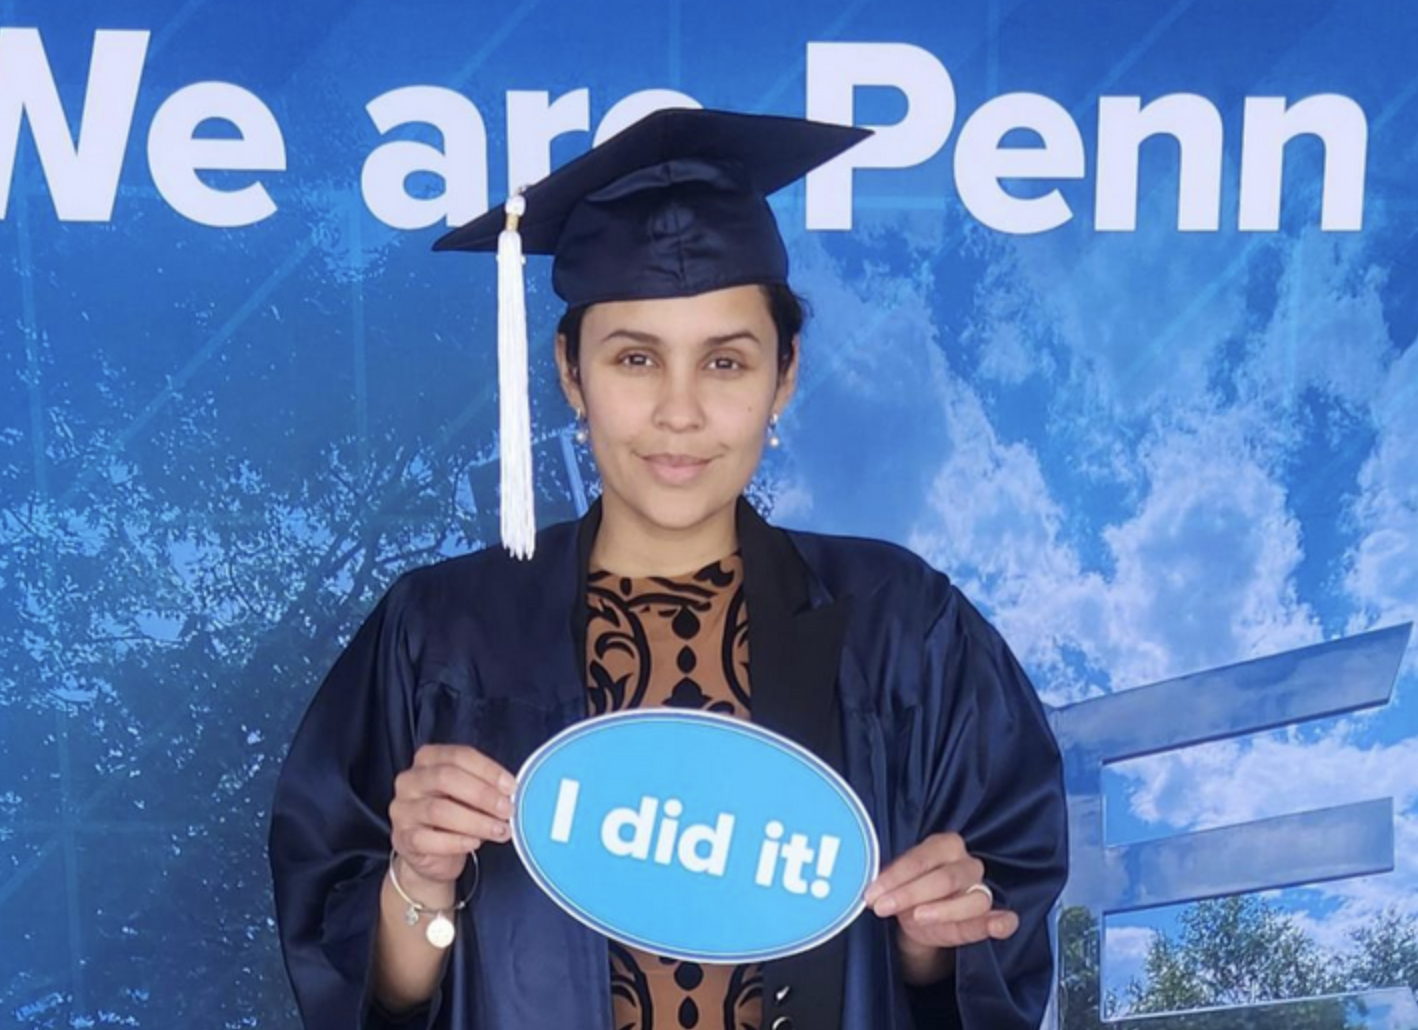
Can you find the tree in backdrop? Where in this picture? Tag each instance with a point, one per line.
(1385, 953)
(196, 509)
(1232, 951)
(1237, 951)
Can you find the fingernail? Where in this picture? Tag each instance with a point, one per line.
(872, 893)
(504, 807)
(506, 784)
(886, 907)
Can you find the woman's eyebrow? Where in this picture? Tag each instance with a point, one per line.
(734, 337)
(651, 340)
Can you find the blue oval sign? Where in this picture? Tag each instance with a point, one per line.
(694, 836)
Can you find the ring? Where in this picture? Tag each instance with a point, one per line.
(980, 888)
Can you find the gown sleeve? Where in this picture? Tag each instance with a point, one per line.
(329, 843)
(991, 772)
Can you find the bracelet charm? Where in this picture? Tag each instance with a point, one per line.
(441, 930)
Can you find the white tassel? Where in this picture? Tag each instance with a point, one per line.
(519, 520)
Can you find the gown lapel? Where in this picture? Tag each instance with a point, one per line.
(794, 650)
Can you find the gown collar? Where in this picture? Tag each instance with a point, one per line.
(795, 632)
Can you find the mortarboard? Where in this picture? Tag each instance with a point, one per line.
(673, 206)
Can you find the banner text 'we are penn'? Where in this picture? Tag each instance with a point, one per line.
(82, 168)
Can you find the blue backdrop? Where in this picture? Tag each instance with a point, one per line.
(1152, 406)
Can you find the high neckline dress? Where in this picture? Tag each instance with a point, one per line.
(679, 642)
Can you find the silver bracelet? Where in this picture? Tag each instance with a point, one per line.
(442, 930)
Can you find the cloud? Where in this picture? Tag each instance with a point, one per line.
(1012, 330)
(1205, 569)
(1202, 574)
(866, 423)
(1382, 568)
(1125, 955)
(792, 501)
(1160, 381)
(1114, 463)
(1239, 781)
(1134, 321)
(1163, 388)
(1236, 781)
(1326, 331)
(1363, 898)
(992, 525)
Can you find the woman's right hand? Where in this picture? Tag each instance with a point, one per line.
(451, 800)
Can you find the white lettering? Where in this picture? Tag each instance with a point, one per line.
(83, 179)
(768, 854)
(175, 154)
(992, 169)
(532, 124)
(796, 856)
(981, 161)
(566, 795)
(669, 827)
(641, 824)
(461, 164)
(1123, 124)
(834, 72)
(636, 106)
(718, 839)
(1341, 126)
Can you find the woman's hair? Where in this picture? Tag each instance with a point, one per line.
(786, 308)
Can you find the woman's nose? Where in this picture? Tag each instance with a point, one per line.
(679, 406)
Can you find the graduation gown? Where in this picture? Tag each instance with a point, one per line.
(857, 649)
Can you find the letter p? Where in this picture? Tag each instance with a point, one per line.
(834, 71)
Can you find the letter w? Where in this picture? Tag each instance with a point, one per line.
(83, 179)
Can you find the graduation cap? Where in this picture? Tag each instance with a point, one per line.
(673, 206)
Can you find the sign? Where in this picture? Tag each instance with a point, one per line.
(694, 836)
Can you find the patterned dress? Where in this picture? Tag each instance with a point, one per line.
(680, 642)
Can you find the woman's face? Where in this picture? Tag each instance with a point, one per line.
(677, 395)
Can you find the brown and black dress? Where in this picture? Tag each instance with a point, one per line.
(680, 642)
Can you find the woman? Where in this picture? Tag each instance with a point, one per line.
(679, 351)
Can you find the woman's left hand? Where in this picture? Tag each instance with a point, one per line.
(928, 890)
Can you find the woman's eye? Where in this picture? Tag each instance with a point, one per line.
(725, 364)
(635, 359)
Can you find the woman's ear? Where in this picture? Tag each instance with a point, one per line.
(788, 379)
(569, 376)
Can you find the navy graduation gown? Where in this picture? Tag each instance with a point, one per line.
(857, 649)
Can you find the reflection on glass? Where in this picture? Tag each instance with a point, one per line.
(1308, 847)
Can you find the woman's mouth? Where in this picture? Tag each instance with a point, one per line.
(675, 469)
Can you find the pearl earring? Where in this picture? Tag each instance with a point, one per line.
(582, 433)
(774, 440)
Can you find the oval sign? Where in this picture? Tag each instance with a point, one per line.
(694, 836)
